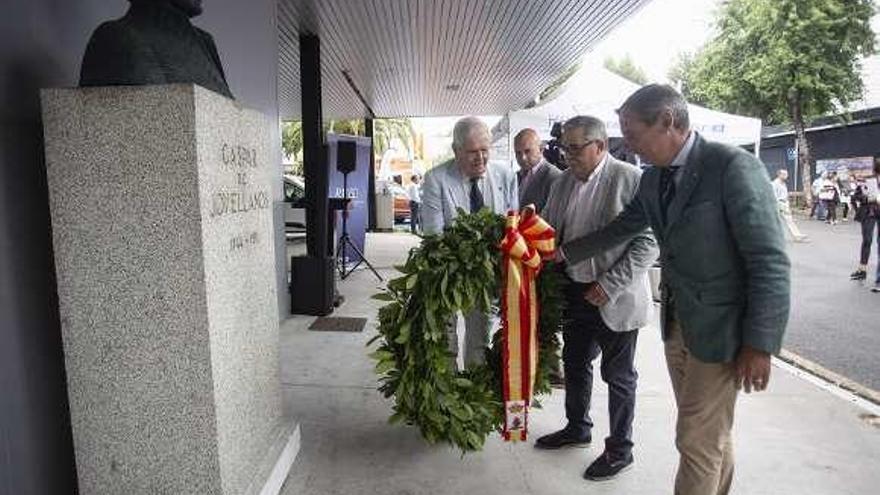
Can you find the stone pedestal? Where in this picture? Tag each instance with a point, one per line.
(162, 223)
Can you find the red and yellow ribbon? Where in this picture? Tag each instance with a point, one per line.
(528, 240)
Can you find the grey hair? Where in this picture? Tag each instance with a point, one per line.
(463, 128)
(593, 128)
(650, 101)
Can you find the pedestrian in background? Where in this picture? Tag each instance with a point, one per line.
(780, 190)
(829, 194)
(817, 210)
(867, 199)
(414, 191)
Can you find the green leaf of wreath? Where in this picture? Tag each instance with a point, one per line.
(450, 273)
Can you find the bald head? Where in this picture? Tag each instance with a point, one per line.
(527, 148)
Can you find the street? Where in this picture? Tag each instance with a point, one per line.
(834, 322)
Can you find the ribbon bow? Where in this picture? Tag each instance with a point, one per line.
(528, 240)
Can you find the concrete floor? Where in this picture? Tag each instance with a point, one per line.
(795, 439)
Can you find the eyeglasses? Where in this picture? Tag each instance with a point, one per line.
(571, 149)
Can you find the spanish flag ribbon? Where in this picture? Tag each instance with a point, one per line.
(528, 240)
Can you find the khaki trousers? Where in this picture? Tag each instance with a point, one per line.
(706, 395)
(788, 222)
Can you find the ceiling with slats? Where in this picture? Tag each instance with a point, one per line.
(438, 57)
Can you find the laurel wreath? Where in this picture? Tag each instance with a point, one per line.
(458, 270)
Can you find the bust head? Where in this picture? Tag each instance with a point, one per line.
(191, 8)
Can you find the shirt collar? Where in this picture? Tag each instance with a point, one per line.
(596, 172)
(681, 158)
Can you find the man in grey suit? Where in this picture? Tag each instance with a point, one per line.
(725, 274)
(471, 183)
(536, 174)
(608, 297)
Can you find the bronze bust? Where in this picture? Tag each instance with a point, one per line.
(154, 43)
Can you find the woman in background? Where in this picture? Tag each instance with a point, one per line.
(866, 198)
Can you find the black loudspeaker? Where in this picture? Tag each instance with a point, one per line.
(346, 156)
(312, 285)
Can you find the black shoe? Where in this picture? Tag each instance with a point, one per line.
(562, 438)
(858, 275)
(607, 467)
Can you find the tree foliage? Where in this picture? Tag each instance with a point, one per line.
(456, 271)
(626, 68)
(558, 82)
(385, 132)
(784, 61)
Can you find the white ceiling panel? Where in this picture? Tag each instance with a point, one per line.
(438, 57)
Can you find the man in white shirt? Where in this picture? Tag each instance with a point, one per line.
(608, 298)
(414, 191)
(780, 190)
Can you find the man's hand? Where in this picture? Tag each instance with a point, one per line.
(559, 256)
(752, 369)
(596, 295)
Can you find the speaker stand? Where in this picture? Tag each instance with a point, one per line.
(345, 242)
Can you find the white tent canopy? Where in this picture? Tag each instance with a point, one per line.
(596, 91)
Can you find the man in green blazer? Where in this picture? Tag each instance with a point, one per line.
(725, 274)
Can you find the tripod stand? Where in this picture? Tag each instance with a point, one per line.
(345, 241)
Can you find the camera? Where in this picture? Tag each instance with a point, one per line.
(553, 150)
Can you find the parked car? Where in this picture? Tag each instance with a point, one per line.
(401, 203)
(295, 212)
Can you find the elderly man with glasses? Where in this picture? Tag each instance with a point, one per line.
(608, 297)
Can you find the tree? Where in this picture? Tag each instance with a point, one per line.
(785, 61)
(626, 68)
(557, 83)
(678, 75)
(385, 131)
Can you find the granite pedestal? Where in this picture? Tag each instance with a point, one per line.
(162, 223)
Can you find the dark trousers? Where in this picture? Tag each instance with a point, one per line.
(414, 220)
(868, 225)
(830, 209)
(585, 335)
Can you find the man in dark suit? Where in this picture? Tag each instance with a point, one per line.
(535, 175)
(725, 277)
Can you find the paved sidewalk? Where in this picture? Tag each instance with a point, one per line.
(795, 439)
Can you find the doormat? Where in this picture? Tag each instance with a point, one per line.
(338, 324)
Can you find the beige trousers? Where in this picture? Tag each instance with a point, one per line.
(788, 222)
(706, 395)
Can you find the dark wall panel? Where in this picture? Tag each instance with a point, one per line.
(42, 45)
(841, 142)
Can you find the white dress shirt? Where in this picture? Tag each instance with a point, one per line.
(681, 158)
(582, 216)
(531, 173)
(780, 190)
(414, 191)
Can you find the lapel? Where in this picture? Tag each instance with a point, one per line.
(558, 207)
(606, 188)
(459, 188)
(692, 173)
